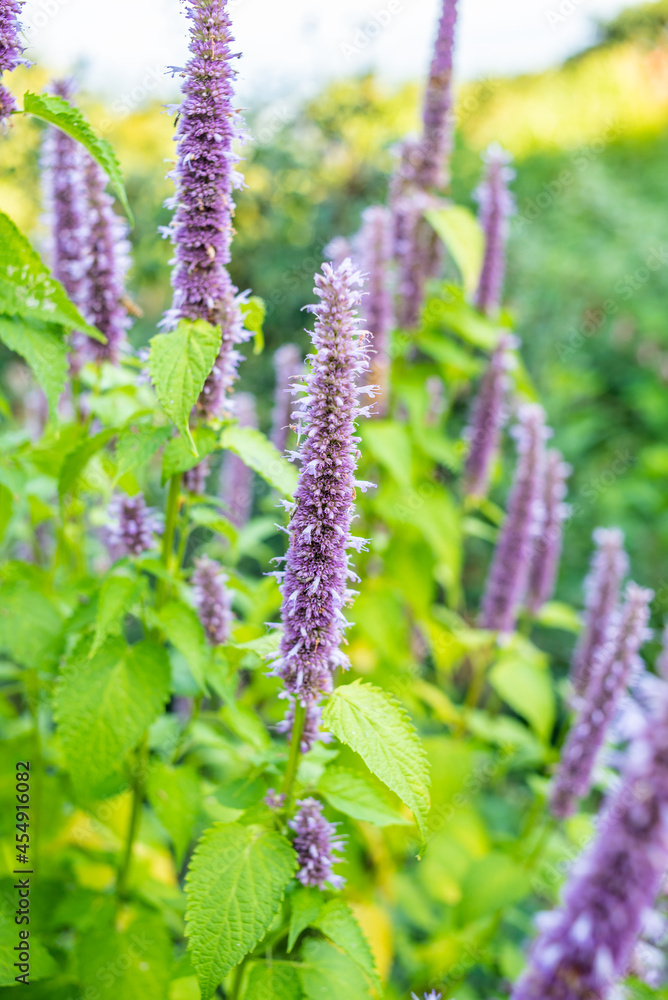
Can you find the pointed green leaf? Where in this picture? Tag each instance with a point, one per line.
(183, 629)
(278, 981)
(44, 349)
(104, 705)
(6, 507)
(59, 112)
(174, 794)
(261, 456)
(338, 923)
(113, 602)
(378, 729)
(326, 972)
(253, 313)
(38, 639)
(305, 905)
(77, 460)
(28, 290)
(235, 888)
(463, 236)
(180, 363)
(354, 794)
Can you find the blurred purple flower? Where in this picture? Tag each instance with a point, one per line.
(205, 177)
(311, 730)
(437, 122)
(488, 417)
(433, 995)
(615, 661)
(496, 206)
(509, 573)
(585, 947)
(212, 600)
(337, 250)
(274, 800)
(316, 843)
(375, 255)
(11, 52)
(236, 479)
(413, 251)
(602, 589)
(194, 480)
(548, 544)
(289, 367)
(133, 526)
(314, 585)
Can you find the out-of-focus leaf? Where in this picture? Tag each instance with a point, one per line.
(260, 455)
(355, 795)
(463, 236)
(44, 349)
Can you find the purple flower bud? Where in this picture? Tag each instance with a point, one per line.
(615, 660)
(236, 479)
(314, 585)
(194, 480)
(289, 366)
(133, 526)
(205, 176)
(548, 544)
(274, 800)
(509, 573)
(316, 843)
(496, 206)
(107, 263)
(212, 600)
(311, 730)
(488, 418)
(436, 141)
(11, 51)
(375, 254)
(585, 947)
(602, 588)
(66, 207)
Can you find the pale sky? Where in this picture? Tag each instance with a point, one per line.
(121, 47)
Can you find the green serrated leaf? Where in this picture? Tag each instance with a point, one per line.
(59, 112)
(278, 981)
(114, 600)
(378, 729)
(338, 923)
(260, 455)
(463, 236)
(174, 794)
(28, 290)
(76, 461)
(104, 705)
(31, 628)
(137, 444)
(183, 629)
(253, 313)
(178, 456)
(326, 972)
(44, 349)
(235, 887)
(180, 363)
(125, 962)
(305, 906)
(355, 795)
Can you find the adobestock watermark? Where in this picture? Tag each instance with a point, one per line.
(561, 12)
(38, 15)
(131, 100)
(580, 160)
(371, 29)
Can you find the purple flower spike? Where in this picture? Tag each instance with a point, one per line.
(288, 366)
(66, 208)
(615, 661)
(548, 545)
(311, 730)
(496, 206)
(375, 252)
(133, 527)
(414, 251)
(602, 588)
(213, 600)
(194, 480)
(433, 995)
(436, 142)
(314, 585)
(11, 52)
(316, 843)
(274, 800)
(205, 177)
(108, 261)
(509, 573)
(488, 418)
(236, 479)
(585, 947)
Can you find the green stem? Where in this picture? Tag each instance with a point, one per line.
(138, 790)
(238, 978)
(295, 752)
(171, 516)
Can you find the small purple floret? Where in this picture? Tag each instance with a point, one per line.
(316, 843)
(133, 526)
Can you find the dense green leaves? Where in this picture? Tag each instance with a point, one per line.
(174, 793)
(59, 112)
(235, 887)
(178, 456)
(262, 456)
(44, 349)
(105, 703)
(124, 962)
(278, 981)
(182, 627)
(180, 363)
(136, 446)
(327, 972)
(31, 627)
(377, 728)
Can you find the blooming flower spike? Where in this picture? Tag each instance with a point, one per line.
(547, 547)
(375, 252)
(488, 418)
(11, 52)
(133, 526)
(437, 125)
(496, 206)
(316, 843)
(213, 600)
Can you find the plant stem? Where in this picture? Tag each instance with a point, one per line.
(238, 977)
(138, 789)
(295, 752)
(171, 516)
